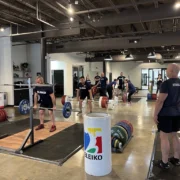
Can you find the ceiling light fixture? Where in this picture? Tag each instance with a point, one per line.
(2, 29)
(70, 9)
(108, 58)
(71, 19)
(129, 56)
(135, 41)
(177, 5)
(152, 55)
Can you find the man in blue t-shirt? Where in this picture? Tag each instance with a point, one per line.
(103, 84)
(83, 91)
(47, 100)
(167, 117)
(130, 88)
(110, 88)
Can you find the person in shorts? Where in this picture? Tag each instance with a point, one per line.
(83, 91)
(47, 100)
(167, 117)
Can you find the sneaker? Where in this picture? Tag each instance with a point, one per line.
(174, 161)
(41, 126)
(53, 128)
(162, 165)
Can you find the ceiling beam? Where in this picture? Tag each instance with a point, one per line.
(155, 40)
(129, 17)
(34, 8)
(141, 2)
(63, 13)
(113, 5)
(133, 28)
(156, 3)
(2, 12)
(12, 22)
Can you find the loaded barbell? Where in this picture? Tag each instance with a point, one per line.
(103, 102)
(24, 108)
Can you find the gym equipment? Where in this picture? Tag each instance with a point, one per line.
(24, 108)
(116, 143)
(103, 102)
(31, 85)
(154, 96)
(149, 96)
(126, 127)
(3, 115)
(121, 135)
(94, 90)
(131, 126)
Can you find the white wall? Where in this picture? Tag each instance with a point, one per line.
(108, 69)
(34, 59)
(6, 66)
(133, 70)
(66, 61)
(19, 54)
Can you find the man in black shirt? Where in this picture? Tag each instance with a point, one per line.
(121, 79)
(159, 82)
(47, 100)
(83, 91)
(167, 116)
(103, 84)
(97, 78)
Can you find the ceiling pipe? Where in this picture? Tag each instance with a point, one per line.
(12, 22)
(34, 8)
(142, 2)
(1, 12)
(113, 5)
(83, 21)
(17, 9)
(37, 15)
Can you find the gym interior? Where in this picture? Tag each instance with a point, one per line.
(61, 41)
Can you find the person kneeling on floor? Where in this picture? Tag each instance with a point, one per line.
(47, 100)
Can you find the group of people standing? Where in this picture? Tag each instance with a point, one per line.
(84, 88)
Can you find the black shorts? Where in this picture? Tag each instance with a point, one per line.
(169, 124)
(83, 96)
(46, 106)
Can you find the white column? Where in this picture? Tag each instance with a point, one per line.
(6, 65)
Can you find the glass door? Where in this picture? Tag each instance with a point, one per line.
(144, 78)
(164, 75)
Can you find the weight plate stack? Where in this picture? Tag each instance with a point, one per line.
(126, 127)
(120, 133)
(127, 122)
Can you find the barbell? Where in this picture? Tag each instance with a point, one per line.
(24, 108)
(103, 101)
(32, 85)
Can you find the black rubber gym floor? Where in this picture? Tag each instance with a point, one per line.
(10, 128)
(155, 172)
(60, 146)
(135, 99)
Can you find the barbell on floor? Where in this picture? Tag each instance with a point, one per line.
(103, 101)
(24, 108)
